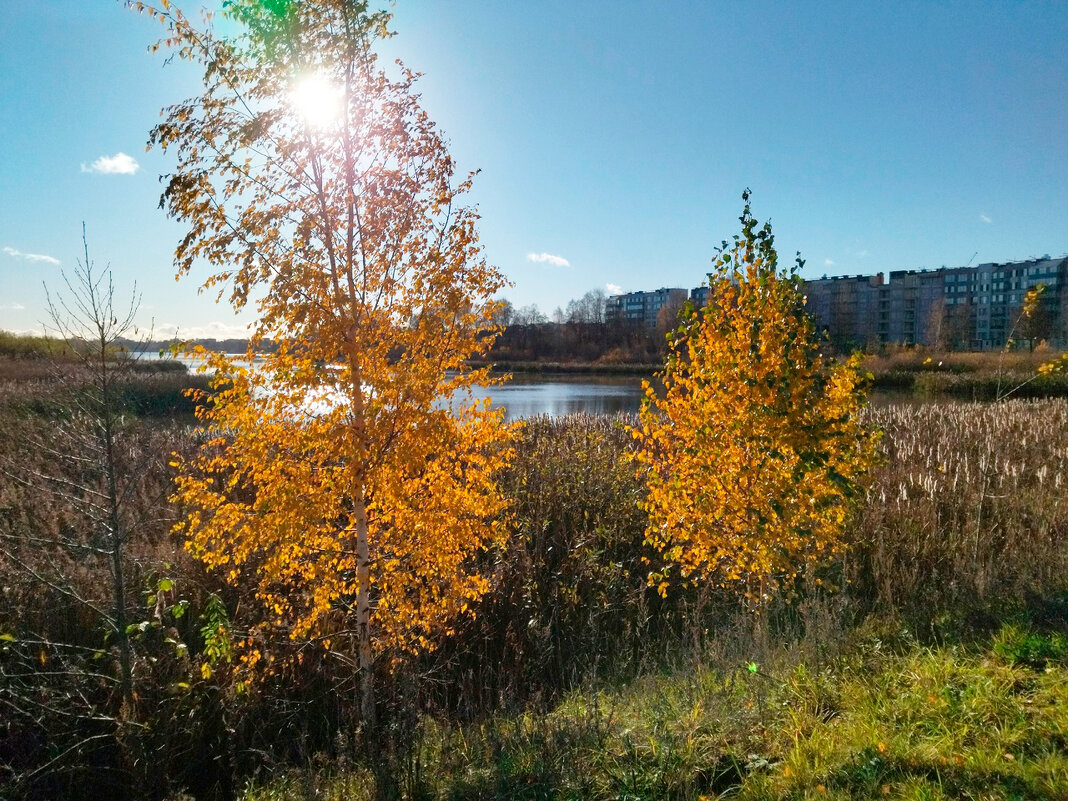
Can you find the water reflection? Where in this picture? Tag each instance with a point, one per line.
(557, 395)
(560, 395)
(532, 395)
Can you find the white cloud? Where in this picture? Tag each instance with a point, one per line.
(12, 307)
(119, 164)
(614, 289)
(549, 258)
(213, 330)
(863, 254)
(828, 262)
(34, 257)
(985, 219)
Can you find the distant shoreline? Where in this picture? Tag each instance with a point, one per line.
(567, 368)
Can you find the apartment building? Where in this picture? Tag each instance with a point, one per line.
(644, 307)
(849, 308)
(975, 308)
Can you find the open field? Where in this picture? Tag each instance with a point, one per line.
(573, 678)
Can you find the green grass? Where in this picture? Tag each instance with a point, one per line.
(1021, 645)
(29, 346)
(933, 724)
(881, 720)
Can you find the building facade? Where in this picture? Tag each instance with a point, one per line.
(963, 308)
(974, 308)
(644, 307)
(849, 309)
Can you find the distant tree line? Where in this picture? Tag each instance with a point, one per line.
(577, 333)
(34, 346)
(581, 332)
(232, 345)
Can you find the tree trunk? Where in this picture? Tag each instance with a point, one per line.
(116, 538)
(363, 617)
(365, 658)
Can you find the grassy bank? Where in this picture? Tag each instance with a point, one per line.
(881, 717)
(51, 387)
(984, 376)
(962, 376)
(574, 681)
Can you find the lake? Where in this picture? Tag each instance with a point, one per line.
(554, 395)
(529, 396)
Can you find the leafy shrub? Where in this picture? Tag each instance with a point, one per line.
(1020, 645)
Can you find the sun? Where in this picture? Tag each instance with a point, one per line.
(317, 100)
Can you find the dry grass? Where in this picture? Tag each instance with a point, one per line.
(966, 522)
(968, 513)
(924, 360)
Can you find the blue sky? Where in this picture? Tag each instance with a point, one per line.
(616, 137)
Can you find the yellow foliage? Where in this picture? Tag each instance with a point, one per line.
(1055, 366)
(1032, 300)
(751, 445)
(334, 479)
(275, 504)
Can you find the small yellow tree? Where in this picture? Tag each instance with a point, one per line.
(752, 448)
(336, 480)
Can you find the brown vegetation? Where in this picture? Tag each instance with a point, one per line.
(965, 524)
(968, 514)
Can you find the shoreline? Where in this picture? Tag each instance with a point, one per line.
(567, 368)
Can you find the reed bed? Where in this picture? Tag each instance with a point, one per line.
(968, 514)
(964, 524)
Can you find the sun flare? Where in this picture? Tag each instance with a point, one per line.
(317, 100)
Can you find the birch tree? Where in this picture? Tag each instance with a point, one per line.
(351, 477)
(751, 445)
